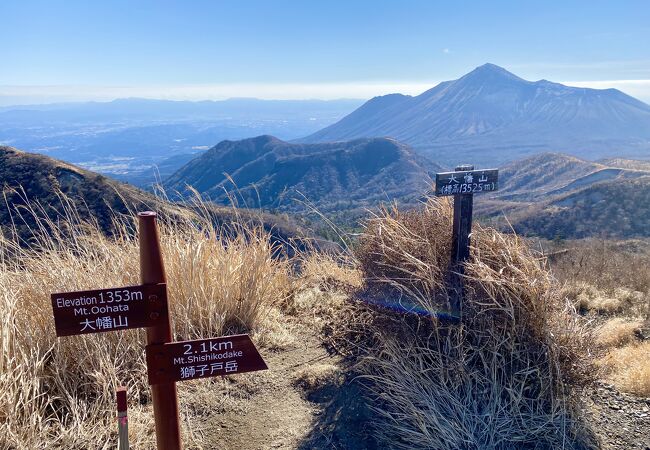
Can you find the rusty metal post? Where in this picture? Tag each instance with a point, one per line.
(165, 400)
(462, 228)
(122, 420)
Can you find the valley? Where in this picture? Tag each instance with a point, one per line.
(143, 141)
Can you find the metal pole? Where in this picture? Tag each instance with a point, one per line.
(122, 420)
(165, 401)
(462, 227)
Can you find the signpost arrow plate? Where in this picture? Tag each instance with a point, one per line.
(113, 309)
(187, 360)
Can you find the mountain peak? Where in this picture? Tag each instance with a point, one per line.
(491, 115)
(355, 173)
(490, 72)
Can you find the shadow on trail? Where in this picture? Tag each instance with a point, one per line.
(345, 421)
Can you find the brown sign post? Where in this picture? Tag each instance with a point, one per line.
(165, 401)
(146, 306)
(463, 183)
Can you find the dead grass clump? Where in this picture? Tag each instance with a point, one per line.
(629, 368)
(614, 301)
(617, 332)
(500, 380)
(330, 271)
(601, 305)
(316, 376)
(588, 298)
(59, 393)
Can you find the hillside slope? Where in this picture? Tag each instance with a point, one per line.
(614, 208)
(490, 116)
(552, 195)
(28, 178)
(550, 174)
(270, 173)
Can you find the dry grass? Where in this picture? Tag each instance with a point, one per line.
(617, 332)
(629, 368)
(609, 274)
(502, 379)
(613, 301)
(59, 393)
(607, 281)
(316, 376)
(330, 271)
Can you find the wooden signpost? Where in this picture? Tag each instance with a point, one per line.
(202, 358)
(145, 306)
(463, 183)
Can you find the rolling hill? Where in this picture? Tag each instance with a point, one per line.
(270, 173)
(490, 116)
(549, 174)
(28, 177)
(614, 208)
(553, 194)
(29, 180)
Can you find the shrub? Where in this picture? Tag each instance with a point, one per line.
(500, 380)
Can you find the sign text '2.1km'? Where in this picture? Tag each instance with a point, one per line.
(113, 309)
(187, 360)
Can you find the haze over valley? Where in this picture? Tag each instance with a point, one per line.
(141, 141)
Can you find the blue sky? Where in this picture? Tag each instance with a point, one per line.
(310, 49)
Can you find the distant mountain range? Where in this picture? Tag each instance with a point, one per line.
(555, 195)
(491, 116)
(270, 173)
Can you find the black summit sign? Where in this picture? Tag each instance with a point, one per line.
(467, 182)
(463, 183)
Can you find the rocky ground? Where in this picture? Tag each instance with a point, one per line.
(621, 421)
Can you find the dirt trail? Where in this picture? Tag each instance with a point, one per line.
(276, 413)
(304, 402)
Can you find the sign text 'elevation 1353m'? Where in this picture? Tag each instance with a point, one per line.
(145, 306)
(113, 309)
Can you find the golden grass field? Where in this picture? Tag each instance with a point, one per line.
(511, 374)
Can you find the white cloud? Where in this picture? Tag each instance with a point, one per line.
(446, 50)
